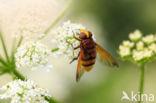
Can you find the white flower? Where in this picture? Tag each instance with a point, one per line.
(64, 38)
(128, 43)
(142, 50)
(153, 47)
(24, 92)
(143, 54)
(140, 45)
(147, 53)
(33, 55)
(137, 55)
(135, 36)
(148, 39)
(124, 51)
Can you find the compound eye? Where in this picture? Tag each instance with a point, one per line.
(82, 36)
(90, 34)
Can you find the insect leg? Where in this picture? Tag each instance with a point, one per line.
(72, 45)
(76, 37)
(75, 58)
(76, 47)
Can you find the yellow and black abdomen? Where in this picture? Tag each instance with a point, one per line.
(88, 56)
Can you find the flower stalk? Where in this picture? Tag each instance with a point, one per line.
(140, 50)
(4, 46)
(18, 75)
(59, 17)
(51, 100)
(8, 64)
(142, 77)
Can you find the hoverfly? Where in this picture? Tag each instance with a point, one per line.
(88, 52)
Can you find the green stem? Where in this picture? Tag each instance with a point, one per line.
(59, 17)
(54, 50)
(4, 46)
(50, 100)
(20, 41)
(2, 61)
(2, 70)
(19, 75)
(142, 67)
(14, 49)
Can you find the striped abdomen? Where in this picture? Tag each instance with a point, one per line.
(88, 54)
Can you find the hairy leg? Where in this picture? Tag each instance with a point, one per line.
(75, 58)
(78, 54)
(74, 48)
(72, 45)
(76, 37)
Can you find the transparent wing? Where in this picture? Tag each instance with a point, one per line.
(105, 57)
(80, 70)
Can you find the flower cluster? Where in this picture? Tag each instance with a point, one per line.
(63, 37)
(139, 48)
(32, 55)
(24, 92)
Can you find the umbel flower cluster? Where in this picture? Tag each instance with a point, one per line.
(63, 37)
(65, 41)
(24, 92)
(33, 55)
(139, 49)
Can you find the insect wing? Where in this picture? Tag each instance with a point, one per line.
(80, 70)
(105, 57)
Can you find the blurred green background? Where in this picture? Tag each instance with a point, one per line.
(111, 21)
(117, 18)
